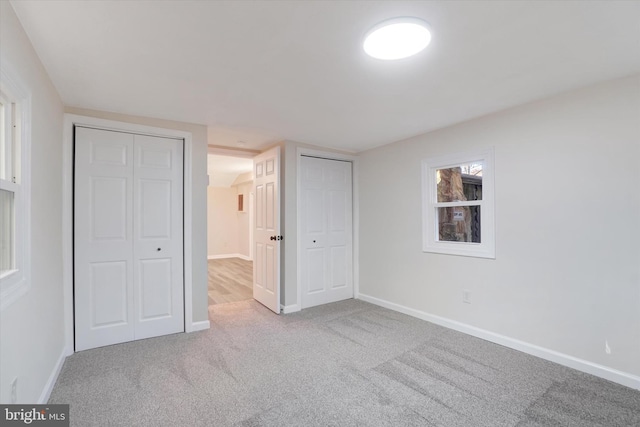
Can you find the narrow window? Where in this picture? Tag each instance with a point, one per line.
(14, 213)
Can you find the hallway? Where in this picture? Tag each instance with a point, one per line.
(230, 280)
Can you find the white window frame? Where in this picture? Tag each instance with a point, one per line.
(16, 282)
(430, 204)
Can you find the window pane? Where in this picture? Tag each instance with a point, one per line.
(6, 230)
(460, 183)
(4, 152)
(459, 224)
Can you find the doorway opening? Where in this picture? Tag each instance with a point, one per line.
(230, 211)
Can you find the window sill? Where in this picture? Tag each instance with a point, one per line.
(7, 273)
(461, 249)
(12, 293)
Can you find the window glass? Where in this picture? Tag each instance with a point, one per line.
(459, 183)
(5, 152)
(6, 231)
(459, 224)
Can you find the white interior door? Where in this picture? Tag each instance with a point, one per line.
(266, 235)
(128, 237)
(327, 231)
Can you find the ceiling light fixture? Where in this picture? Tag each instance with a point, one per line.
(397, 38)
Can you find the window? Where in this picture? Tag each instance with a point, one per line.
(14, 191)
(457, 200)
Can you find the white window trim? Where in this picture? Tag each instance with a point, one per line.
(430, 241)
(17, 283)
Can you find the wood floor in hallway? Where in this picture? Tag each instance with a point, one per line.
(230, 280)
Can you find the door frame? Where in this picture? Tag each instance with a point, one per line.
(302, 151)
(70, 121)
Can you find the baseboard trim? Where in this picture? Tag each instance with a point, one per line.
(286, 309)
(51, 382)
(225, 256)
(200, 326)
(601, 371)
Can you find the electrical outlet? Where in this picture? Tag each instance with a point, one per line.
(14, 390)
(607, 349)
(466, 296)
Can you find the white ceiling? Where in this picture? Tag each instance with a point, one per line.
(223, 170)
(261, 71)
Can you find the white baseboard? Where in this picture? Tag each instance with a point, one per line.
(286, 309)
(224, 256)
(48, 387)
(601, 371)
(200, 326)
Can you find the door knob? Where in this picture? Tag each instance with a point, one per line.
(159, 249)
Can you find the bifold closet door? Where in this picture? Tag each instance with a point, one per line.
(326, 251)
(128, 237)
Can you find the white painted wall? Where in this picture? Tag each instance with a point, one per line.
(199, 206)
(567, 271)
(222, 219)
(228, 229)
(32, 329)
(243, 218)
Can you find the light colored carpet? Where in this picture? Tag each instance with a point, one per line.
(343, 364)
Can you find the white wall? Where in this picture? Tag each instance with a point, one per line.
(567, 271)
(243, 218)
(199, 197)
(32, 329)
(228, 228)
(222, 221)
